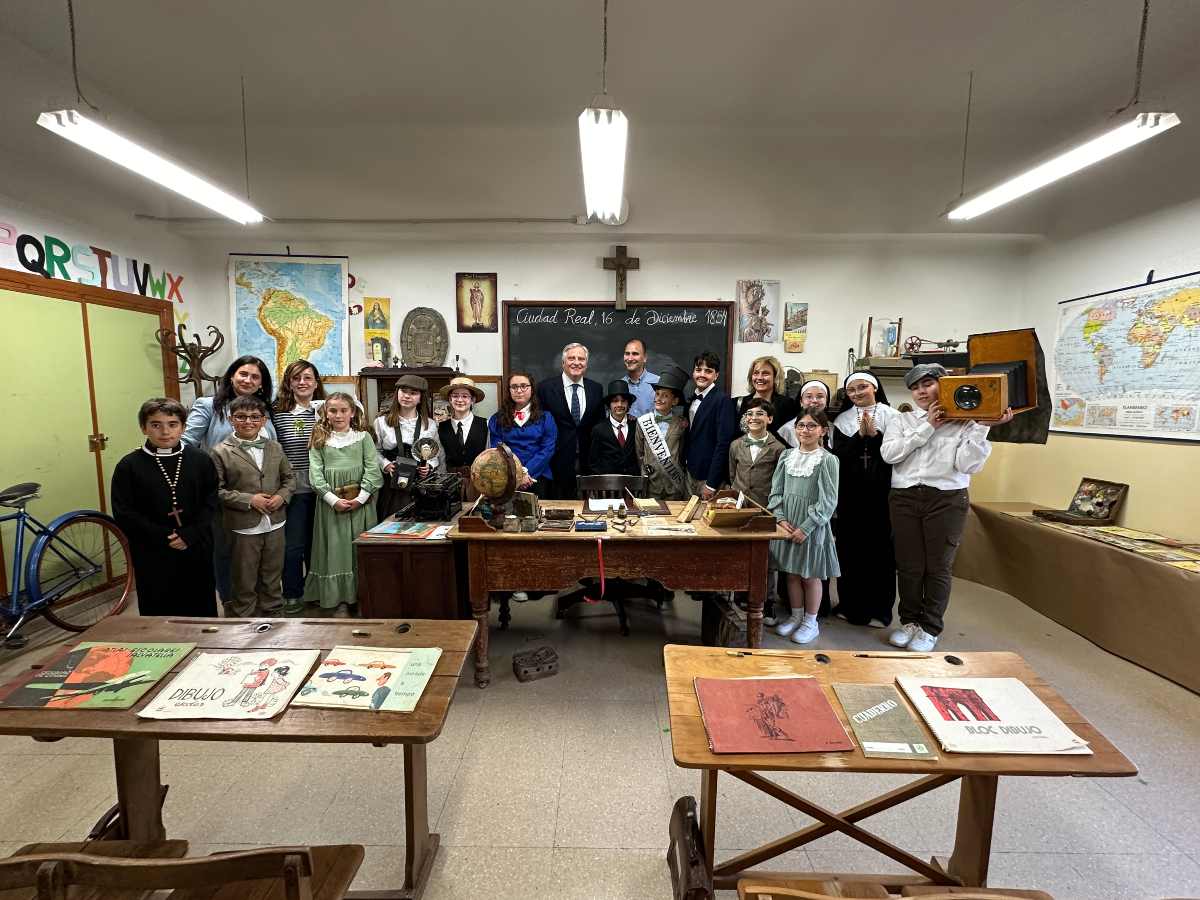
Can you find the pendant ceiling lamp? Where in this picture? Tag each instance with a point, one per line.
(87, 132)
(1127, 127)
(603, 135)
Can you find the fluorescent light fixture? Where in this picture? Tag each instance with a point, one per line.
(1143, 127)
(603, 134)
(78, 128)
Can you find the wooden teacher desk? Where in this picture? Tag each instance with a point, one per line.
(979, 773)
(135, 741)
(712, 559)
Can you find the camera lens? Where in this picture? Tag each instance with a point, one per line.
(968, 397)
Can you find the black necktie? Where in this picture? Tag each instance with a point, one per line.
(460, 434)
(576, 411)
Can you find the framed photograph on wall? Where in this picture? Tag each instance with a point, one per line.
(475, 302)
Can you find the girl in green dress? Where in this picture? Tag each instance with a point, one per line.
(344, 474)
(803, 498)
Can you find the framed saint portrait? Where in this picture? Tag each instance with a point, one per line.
(475, 301)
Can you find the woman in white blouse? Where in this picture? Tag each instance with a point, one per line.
(407, 420)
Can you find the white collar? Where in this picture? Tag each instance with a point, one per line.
(299, 410)
(567, 382)
(158, 453)
(339, 439)
(803, 463)
(704, 393)
(522, 419)
(467, 418)
(624, 423)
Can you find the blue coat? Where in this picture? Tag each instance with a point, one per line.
(532, 444)
(709, 435)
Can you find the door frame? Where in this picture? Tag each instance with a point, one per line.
(85, 294)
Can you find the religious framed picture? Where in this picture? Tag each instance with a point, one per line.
(758, 310)
(377, 329)
(475, 302)
(795, 327)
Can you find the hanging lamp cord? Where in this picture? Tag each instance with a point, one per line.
(1141, 56)
(962, 187)
(245, 140)
(74, 62)
(604, 54)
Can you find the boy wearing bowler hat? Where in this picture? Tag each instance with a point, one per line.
(613, 451)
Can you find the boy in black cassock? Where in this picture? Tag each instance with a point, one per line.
(164, 497)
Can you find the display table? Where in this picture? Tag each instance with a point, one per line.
(400, 579)
(135, 741)
(978, 772)
(1141, 609)
(711, 559)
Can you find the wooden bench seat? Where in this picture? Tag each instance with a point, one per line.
(824, 889)
(104, 872)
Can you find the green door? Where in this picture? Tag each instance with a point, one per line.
(127, 370)
(46, 409)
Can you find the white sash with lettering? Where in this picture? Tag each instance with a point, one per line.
(659, 454)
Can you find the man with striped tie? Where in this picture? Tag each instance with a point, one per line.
(576, 404)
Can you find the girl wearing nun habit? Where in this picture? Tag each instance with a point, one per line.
(867, 586)
(814, 394)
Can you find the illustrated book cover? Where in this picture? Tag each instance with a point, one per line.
(405, 531)
(252, 685)
(94, 675)
(989, 715)
(769, 715)
(390, 679)
(882, 722)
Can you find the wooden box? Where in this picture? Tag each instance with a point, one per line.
(973, 396)
(1006, 347)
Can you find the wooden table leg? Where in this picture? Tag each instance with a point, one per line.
(973, 836)
(708, 816)
(480, 609)
(420, 846)
(759, 555)
(139, 788)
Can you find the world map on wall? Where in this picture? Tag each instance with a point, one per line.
(289, 309)
(1128, 362)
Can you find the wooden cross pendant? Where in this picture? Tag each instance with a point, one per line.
(621, 263)
(174, 513)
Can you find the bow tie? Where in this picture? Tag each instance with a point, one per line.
(756, 442)
(666, 418)
(519, 416)
(256, 444)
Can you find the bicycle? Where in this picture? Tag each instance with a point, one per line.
(78, 570)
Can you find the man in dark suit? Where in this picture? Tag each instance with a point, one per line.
(613, 451)
(576, 404)
(712, 426)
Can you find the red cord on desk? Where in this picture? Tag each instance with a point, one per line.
(600, 557)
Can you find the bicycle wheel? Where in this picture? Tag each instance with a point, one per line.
(81, 570)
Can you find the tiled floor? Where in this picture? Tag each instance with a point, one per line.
(563, 787)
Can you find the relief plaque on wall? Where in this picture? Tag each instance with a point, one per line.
(424, 338)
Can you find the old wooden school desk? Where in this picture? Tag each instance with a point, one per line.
(709, 560)
(979, 773)
(135, 741)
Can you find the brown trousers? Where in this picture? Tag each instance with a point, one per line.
(928, 526)
(257, 575)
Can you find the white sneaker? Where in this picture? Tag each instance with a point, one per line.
(902, 636)
(519, 597)
(787, 626)
(922, 641)
(876, 623)
(806, 633)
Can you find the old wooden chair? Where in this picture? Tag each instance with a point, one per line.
(276, 873)
(819, 889)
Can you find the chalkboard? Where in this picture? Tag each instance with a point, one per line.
(674, 332)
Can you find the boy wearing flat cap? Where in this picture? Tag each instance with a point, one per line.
(932, 459)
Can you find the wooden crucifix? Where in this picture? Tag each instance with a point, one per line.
(621, 263)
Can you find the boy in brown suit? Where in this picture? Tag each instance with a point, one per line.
(256, 482)
(752, 461)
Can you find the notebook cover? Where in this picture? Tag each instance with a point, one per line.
(769, 715)
(882, 723)
(95, 675)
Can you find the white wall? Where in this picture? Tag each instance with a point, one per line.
(1164, 492)
(941, 286)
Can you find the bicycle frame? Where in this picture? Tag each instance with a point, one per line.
(23, 602)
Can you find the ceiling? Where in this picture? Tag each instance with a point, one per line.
(825, 69)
